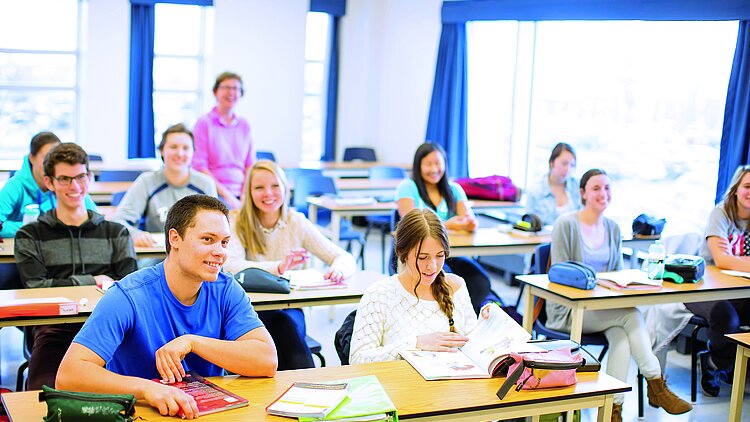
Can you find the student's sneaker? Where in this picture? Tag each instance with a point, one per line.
(709, 384)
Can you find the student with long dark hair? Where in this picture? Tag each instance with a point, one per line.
(726, 246)
(430, 188)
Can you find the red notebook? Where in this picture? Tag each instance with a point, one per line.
(50, 306)
(210, 397)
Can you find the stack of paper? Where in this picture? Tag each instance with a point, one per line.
(310, 279)
(311, 400)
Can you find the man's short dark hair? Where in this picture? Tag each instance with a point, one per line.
(68, 153)
(41, 139)
(182, 214)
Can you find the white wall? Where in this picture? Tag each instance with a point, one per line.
(388, 52)
(389, 48)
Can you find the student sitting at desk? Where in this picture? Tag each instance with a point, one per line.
(557, 192)
(429, 188)
(726, 246)
(267, 235)
(421, 307)
(588, 236)
(154, 192)
(27, 186)
(180, 315)
(67, 246)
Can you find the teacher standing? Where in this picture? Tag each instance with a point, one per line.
(223, 146)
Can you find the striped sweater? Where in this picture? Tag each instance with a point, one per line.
(51, 254)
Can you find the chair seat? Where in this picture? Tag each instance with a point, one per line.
(316, 349)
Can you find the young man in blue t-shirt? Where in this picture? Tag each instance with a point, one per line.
(180, 315)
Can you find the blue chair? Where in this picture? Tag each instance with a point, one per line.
(117, 198)
(95, 157)
(118, 175)
(322, 185)
(383, 222)
(359, 153)
(293, 174)
(265, 155)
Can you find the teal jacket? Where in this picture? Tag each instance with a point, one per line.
(21, 190)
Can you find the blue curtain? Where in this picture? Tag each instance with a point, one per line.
(447, 121)
(329, 141)
(141, 120)
(735, 135)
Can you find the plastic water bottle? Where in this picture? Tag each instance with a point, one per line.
(656, 256)
(30, 213)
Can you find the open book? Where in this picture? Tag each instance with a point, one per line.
(209, 397)
(633, 279)
(734, 273)
(489, 344)
(310, 279)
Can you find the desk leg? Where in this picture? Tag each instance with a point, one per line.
(576, 327)
(335, 227)
(312, 213)
(738, 384)
(528, 309)
(604, 413)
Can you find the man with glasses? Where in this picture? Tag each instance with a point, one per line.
(27, 187)
(68, 246)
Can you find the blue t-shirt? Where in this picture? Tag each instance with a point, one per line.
(408, 189)
(139, 314)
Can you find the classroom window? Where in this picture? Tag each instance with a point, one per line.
(642, 100)
(179, 51)
(316, 70)
(38, 71)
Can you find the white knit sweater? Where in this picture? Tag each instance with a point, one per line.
(389, 319)
(294, 232)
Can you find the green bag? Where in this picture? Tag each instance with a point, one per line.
(73, 406)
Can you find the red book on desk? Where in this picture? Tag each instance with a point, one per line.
(48, 306)
(209, 397)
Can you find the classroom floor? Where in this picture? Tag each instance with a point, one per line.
(320, 327)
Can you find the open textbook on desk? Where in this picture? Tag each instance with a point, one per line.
(633, 279)
(489, 344)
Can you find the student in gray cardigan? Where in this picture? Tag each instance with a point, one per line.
(589, 237)
(143, 209)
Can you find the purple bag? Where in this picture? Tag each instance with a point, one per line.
(553, 368)
(497, 188)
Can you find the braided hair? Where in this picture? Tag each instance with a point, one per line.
(411, 231)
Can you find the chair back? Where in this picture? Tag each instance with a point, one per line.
(311, 186)
(117, 198)
(95, 157)
(265, 155)
(118, 175)
(541, 258)
(10, 279)
(387, 172)
(393, 260)
(359, 153)
(343, 339)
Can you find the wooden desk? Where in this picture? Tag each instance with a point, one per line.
(144, 164)
(355, 288)
(490, 241)
(740, 370)
(360, 169)
(714, 286)
(6, 251)
(414, 398)
(377, 208)
(100, 192)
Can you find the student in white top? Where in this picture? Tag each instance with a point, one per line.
(589, 237)
(421, 307)
(267, 234)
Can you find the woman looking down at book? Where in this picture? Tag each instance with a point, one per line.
(266, 234)
(588, 236)
(429, 188)
(556, 193)
(422, 306)
(726, 247)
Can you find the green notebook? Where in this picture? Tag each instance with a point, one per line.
(366, 397)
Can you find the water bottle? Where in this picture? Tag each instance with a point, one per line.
(656, 256)
(30, 213)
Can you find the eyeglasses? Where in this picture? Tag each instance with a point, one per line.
(65, 180)
(230, 88)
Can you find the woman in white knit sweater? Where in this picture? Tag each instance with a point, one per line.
(267, 234)
(422, 307)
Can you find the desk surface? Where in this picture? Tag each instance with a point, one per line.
(713, 281)
(8, 244)
(356, 286)
(398, 378)
(742, 339)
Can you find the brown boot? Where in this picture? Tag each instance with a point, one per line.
(659, 395)
(616, 413)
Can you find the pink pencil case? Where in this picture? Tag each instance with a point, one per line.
(554, 368)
